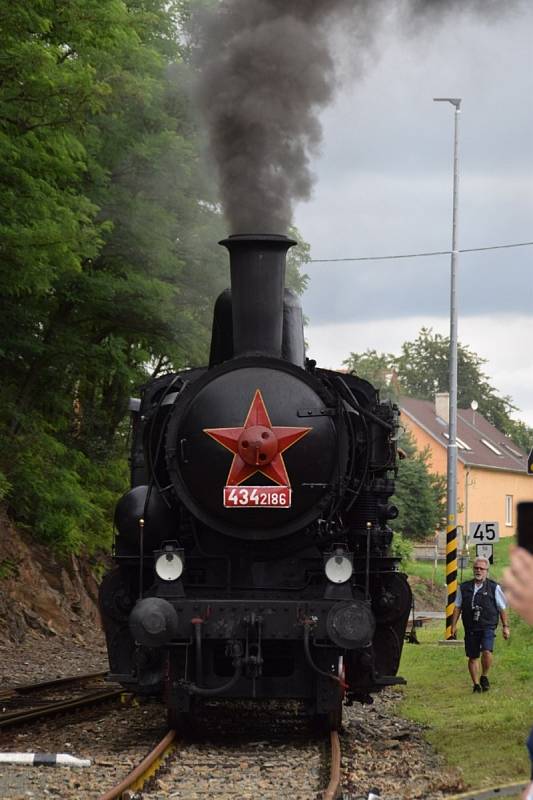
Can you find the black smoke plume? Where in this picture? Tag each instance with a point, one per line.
(266, 69)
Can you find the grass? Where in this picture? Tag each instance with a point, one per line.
(425, 569)
(483, 735)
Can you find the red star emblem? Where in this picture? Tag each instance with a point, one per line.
(257, 446)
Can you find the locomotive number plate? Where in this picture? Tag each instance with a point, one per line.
(257, 497)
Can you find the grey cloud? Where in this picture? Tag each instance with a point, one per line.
(491, 282)
(267, 68)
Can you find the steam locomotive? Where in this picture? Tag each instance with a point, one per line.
(252, 553)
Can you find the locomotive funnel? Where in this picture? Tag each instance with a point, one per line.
(257, 263)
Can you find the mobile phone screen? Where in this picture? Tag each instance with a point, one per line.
(524, 528)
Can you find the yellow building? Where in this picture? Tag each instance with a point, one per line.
(492, 474)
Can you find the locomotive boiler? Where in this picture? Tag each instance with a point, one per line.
(252, 552)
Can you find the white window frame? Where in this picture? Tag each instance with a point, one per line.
(509, 510)
(513, 451)
(460, 444)
(492, 447)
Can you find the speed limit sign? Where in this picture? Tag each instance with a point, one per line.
(483, 532)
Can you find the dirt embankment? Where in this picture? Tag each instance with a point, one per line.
(428, 595)
(41, 593)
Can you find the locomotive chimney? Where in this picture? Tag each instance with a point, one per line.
(257, 264)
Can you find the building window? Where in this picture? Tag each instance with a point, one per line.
(491, 447)
(508, 509)
(513, 451)
(460, 444)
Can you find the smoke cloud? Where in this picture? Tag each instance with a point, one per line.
(266, 70)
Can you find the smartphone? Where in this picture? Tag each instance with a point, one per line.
(524, 525)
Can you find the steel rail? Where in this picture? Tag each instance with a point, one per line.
(143, 771)
(28, 688)
(98, 696)
(509, 790)
(333, 787)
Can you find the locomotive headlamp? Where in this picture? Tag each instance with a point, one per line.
(338, 565)
(169, 562)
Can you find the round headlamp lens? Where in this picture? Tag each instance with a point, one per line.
(339, 569)
(169, 566)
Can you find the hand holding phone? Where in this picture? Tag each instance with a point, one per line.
(524, 526)
(518, 577)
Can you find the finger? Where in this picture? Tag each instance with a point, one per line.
(522, 563)
(511, 582)
(516, 599)
(519, 582)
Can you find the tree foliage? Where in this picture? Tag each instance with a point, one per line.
(108, 246)
(378, 368)
(297, 258)
(422, 369)
(420, 494)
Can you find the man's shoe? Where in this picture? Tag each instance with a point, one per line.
(485, 685)
(477, 688)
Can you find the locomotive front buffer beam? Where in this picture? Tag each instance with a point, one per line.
(245, 649)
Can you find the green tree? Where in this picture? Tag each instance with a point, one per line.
(520, 433)
(103, 207)
(297, 257)
(420, 494)
(423, 367)
(108, 246)
(378, 368)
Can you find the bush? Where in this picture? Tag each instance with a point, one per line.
(401, 547)
(66, 499)
(5, 486)
(420, 495)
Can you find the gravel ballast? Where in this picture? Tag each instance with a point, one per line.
(245, 753)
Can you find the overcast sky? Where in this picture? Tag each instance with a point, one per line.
(384, 187)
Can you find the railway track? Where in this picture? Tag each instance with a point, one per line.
(139, 778)
(145, 770)
(509, 790)
(280, 755)
(237, 755)
(247, 750)
(31, 702)
(32, 688)
(334, 785)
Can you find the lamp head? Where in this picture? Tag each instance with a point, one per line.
(455, 101)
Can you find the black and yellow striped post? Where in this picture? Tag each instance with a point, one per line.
(451, 575)
(451, 482)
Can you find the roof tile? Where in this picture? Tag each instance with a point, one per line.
(472, 427)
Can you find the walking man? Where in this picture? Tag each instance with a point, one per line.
(481, 602)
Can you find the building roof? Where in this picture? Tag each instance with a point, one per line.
(479, 443)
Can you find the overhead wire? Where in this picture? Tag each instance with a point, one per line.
(421, 255)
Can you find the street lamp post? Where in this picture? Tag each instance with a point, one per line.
(451, 482)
